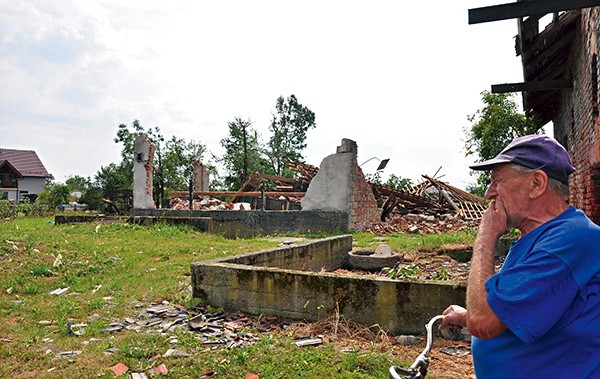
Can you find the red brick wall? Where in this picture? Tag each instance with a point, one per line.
(577, 124)
(363, 206)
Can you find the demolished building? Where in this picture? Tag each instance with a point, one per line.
(342, 187)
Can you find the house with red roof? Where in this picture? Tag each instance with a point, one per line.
(22, 175)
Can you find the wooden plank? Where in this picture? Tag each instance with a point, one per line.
(238, 193)
(543, 85)
(275, 178)
(526, 8)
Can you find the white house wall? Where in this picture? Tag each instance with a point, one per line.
(33, 185)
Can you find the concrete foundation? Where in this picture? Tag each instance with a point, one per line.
(241, 224)
(294, 282)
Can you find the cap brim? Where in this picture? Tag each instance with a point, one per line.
(489, 164)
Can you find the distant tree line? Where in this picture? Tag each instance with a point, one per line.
(492, 127)
(245, 153)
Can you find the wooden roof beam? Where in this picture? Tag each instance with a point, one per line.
(544, 85)
(526, 8)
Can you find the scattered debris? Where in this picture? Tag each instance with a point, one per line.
(59, 291)
(176, 353)
(91, 340)
(431, 206)
(119, 369)
(113, 327)
(208, 374)
(209, 204)
(160, 369)
(76, 329)
(57, 261)
(68, 354)
(307, 341)
(456, 351)
(111, 351)
(405, 340)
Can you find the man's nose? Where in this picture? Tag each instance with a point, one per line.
(490, 192)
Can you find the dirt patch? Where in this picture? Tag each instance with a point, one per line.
(348, 337)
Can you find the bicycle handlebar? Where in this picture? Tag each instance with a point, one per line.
(419, 367)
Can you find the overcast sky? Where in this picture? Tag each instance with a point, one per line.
(397, 77)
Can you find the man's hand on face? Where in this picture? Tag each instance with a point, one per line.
(495, 219)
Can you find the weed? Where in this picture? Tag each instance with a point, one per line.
(441, 274)
(40, 270)
(193, 303)
(411, 271)
(31, 290)
(66, 307)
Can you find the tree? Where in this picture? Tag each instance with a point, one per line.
(493, 127)
(54, 195)
(78, 183)
(173, 160)
(114, 177)
(398, 182)
(176, 165)
(289, 127)
(242, 153)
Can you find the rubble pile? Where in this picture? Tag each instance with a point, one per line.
(430, 206)
(422, 224)
(208, 204)
(213, 327)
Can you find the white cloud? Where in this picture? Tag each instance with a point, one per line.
(398, 78)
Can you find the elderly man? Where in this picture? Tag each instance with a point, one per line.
(539, 316)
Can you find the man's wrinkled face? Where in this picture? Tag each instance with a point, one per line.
(512, 187)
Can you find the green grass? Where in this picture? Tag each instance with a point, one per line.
(109, 268)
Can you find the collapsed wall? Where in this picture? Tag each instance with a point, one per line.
(340, 185)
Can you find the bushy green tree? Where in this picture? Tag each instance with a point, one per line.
(78, 183)
(492, 128)
(289, 126)
(173, 160)
(243, 153)
(177, 162)
(54, 195)
(115, 176)
(398, 182)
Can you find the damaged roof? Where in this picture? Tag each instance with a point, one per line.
(545, 58)
(431, 195)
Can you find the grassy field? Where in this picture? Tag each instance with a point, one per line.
(110, 270)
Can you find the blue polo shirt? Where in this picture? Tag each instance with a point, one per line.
(548, 295)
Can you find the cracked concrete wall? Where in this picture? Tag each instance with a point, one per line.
(201, 177)
(274, 282)
(142, 173)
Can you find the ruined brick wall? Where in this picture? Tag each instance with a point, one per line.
(341, 186)
(577, 124)
(363, 211)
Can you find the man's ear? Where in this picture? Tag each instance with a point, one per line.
(539, 183)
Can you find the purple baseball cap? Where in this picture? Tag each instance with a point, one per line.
(535, 152)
